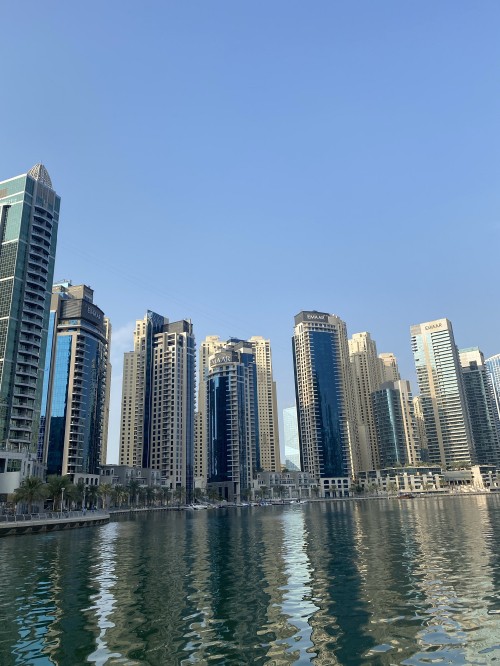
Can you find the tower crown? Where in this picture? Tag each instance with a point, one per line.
(39, 172)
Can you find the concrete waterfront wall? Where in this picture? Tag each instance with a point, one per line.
(39, 525)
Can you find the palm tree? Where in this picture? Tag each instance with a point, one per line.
(281, 491)
(77, 493)
(199, 495)
(180, 494)
(392, 487)
(133, 490)
(31, 490)
(165, 494)
(105, 491)
(93, 495)
(56, 487)
(213, 495)
(150, 495)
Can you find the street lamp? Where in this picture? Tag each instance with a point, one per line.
(62, 499)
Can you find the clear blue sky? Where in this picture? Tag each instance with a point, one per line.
(236, 162)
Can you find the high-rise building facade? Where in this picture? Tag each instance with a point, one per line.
(493, 368)
(367, 377)
(389, 367)
(266, 405)
(158, 397)
(29, 218)
(75, 398)
(233, 429)
(291, 437)
(442, 394)
(395, 424)
(208, 347)
(481, 406)
(323, 387)
(267, 408)
(420, 429)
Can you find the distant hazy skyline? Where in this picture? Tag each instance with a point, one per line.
(236, 163)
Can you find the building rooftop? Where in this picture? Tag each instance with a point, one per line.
(39, 172)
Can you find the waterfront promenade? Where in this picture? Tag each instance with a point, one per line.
(50, 522)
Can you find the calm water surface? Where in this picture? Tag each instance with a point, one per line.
(369, 582)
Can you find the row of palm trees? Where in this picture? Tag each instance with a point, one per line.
(63, 493)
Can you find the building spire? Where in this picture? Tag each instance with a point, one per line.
(39, 172)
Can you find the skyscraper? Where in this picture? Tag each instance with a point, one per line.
(493, 367)
(366, 370)
(481, 406)
(395, 424)
(208, 347)
(157, 419)
(267, 408)
(29, 218)
(389, 367)
(233, 434)
(323, 387)
(291, 436)
(442, 394)
(76, 384)
(420, 429)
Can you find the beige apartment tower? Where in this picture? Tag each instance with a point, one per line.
(157, 419)
(267, 407)
(389, 368)
(367, 377)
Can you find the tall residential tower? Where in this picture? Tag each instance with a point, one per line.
(76, 384)
(29, 218)
(323, 387)
(481, 406)
(157, 418)
(442, 394)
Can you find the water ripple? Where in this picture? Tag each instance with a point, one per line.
(343, 583)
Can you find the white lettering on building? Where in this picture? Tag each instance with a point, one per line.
(95, 313)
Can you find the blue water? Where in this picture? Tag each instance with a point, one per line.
(357, 582)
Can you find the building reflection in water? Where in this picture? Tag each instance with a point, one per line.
(453, 579)
(348, 583)
(289, 581)
(104, 574)
(339, 627)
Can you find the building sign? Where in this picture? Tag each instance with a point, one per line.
(312, 316)
(75, 308)
(94, 312)
(223, 357)
(431, 327)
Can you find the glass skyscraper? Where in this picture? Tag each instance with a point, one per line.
(481, 406)
(233, 427)
(493, 368)
(29, 217)
(395, 424)
(323, 387)
(73, 432)
(442, 394)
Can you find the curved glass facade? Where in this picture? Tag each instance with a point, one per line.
(327, 384)
(323, 388)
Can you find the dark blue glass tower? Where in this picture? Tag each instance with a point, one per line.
(322, 383)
